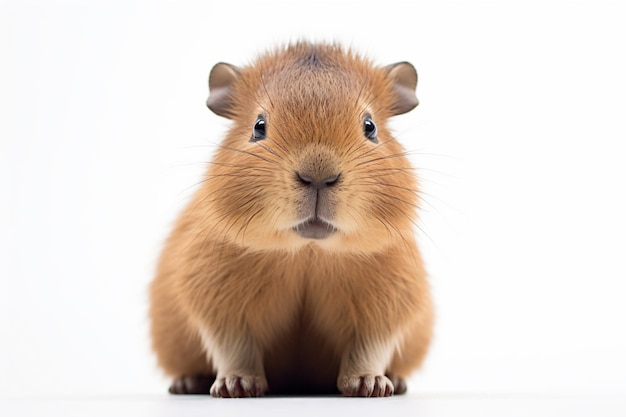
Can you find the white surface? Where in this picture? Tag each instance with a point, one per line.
(422, 406)
(519, 138)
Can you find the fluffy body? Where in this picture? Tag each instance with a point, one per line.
(244, 301)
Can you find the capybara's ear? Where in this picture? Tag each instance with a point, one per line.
(404, 83)
(221, 81)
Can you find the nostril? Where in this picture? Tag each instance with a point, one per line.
(330, 181)
(304, 180)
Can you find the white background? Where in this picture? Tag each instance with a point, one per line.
(519, 138)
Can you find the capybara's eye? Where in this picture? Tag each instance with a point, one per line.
(259, 130)
(369, 129)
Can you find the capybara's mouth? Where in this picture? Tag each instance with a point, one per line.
(315, 228)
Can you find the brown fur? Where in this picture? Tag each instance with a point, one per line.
(238, 294)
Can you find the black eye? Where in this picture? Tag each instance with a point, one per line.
(369, 129)
(259, 130)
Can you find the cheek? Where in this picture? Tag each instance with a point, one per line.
(352, 211)
(371, 206)
(278, 204)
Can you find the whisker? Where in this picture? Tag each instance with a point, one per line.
(386, 227)
(425, 234)
(243, 208)
(229, 187)
(210, 177)
(378, 183)
(200, 232)
(394, 169)
(378, 192)
(265, 89)
(356, 102)
(268, 150)
(240, 166)
(271, 161)
(367, 152)
(249, 171)
(372, 97)
(354, 149)
(411, 219)
(398, 232)
(262, 106)
(382, 158)
(244, 228)
(418, 193)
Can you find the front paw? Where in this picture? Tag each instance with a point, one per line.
(234, 386)
(365, 386)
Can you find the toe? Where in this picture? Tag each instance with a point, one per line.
(366, 386)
